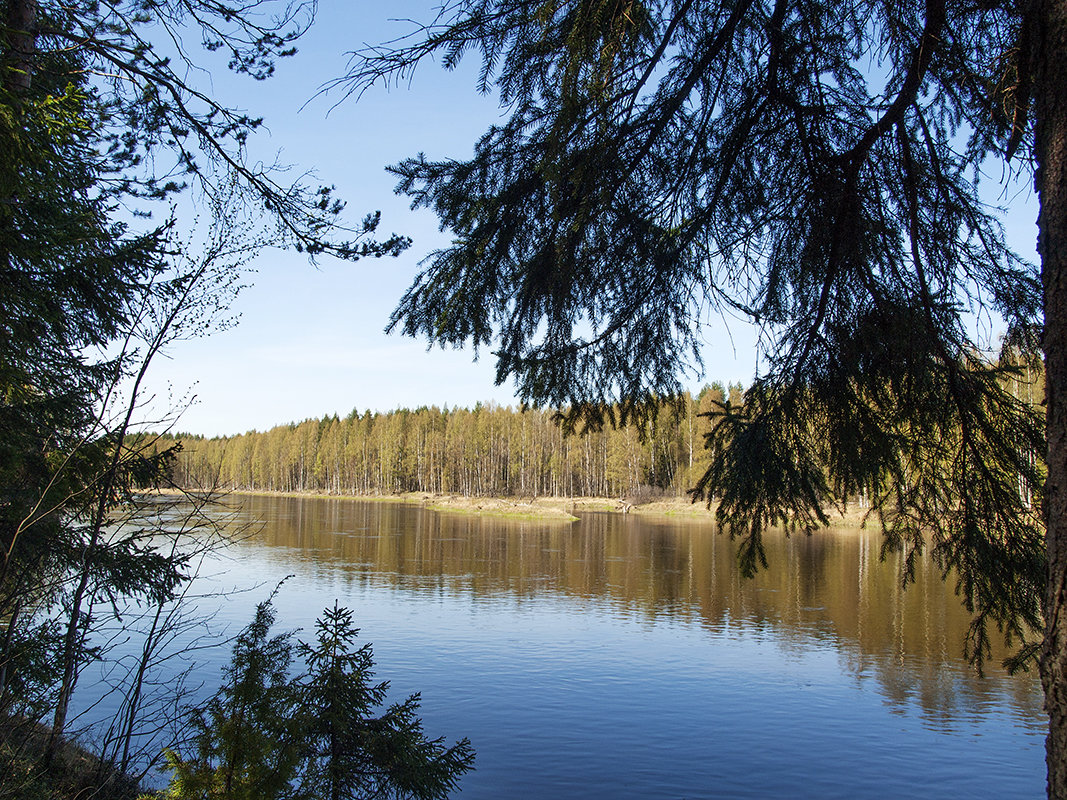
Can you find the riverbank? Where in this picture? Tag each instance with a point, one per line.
(561, 509)
(567, 507)
(76, 771)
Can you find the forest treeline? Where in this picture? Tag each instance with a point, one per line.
(489, 450)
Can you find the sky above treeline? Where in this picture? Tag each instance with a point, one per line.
(310, 339)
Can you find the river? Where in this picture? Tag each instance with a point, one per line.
(623, 656)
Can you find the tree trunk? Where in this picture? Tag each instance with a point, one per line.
(1050, 105)
(21, 45)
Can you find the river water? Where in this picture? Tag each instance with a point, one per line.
(623, 656)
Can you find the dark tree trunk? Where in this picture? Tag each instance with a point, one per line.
(21, 44)
(1050, 96)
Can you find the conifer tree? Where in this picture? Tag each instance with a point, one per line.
(270, 734)
(814, 167)
(248, 737)
(99, 129)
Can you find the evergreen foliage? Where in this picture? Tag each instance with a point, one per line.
(811, 167)
(268, 734)
(74, 280)
(246, 736)
(102, 130)
(814, 168)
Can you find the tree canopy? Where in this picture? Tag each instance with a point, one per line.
(811, 167)
(816, 168)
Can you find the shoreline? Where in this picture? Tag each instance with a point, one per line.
(559, 509)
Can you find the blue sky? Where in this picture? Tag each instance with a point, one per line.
(310, 339)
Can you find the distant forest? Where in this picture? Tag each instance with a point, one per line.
(489, 450)
(485, 451)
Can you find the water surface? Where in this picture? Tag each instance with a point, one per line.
(624, 657)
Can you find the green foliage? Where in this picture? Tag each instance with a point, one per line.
(352, 753)
(247, 736)
(485, 451)
(658, 158)
(270, 734)
(813, 168)
(72, 279)
(947, 459)
(102, 128)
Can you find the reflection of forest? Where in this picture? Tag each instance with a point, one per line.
(828, 590)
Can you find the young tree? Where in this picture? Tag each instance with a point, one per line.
(351, 753)
(270, 734)
(247, 737)
(814, 167)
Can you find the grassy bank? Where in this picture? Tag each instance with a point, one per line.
(75, 772)
(561, 509)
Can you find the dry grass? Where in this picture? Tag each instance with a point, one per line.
(562, 509)
(74, 774)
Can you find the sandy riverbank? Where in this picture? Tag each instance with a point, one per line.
(566, 507)
(561, 509)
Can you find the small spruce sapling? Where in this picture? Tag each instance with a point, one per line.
(270, 734)
(247, 740)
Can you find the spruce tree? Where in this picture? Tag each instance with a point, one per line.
(816, 168)
(99, 130)
(270, 733)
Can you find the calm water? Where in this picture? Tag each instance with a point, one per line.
(623, 657)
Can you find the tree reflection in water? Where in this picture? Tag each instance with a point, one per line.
(828, 589)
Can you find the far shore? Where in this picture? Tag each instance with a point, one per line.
(560, 509)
